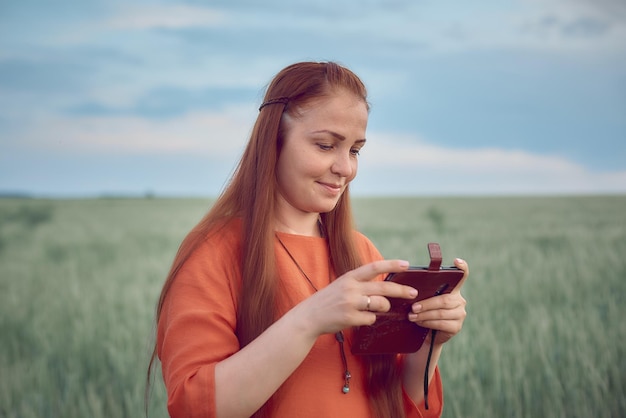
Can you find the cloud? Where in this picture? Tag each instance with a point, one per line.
(214, 133)
(391, 163)
(113, 78)
(612, 9)
(162, 16)
(404, 164)
(168, 101)
(576, 24)
(406, 151)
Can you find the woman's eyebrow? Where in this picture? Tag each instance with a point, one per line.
(336, 135)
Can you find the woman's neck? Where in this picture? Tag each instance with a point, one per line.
(307, 224)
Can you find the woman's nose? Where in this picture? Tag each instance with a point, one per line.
(343, 165)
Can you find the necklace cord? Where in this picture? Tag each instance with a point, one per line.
(296, 263)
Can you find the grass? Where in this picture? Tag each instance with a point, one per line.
(79, 281)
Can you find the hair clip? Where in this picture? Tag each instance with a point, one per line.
(284, 100)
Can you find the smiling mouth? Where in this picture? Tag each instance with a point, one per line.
(332, 187)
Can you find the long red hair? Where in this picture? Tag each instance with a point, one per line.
(251, 196)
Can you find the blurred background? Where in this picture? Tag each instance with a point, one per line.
(498, 129)
(158, 97)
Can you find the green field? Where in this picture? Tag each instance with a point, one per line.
(544, 336)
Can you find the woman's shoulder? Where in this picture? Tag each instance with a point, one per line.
(222, 243)
(226, 232)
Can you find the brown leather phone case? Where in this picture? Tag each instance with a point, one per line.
(393, 332)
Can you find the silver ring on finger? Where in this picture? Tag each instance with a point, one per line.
(369, 300)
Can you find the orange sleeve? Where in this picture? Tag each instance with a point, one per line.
(196, 330)
(435, 401)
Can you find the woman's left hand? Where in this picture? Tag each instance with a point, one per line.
(444, 313)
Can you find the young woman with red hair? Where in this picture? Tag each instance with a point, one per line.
(256, 315)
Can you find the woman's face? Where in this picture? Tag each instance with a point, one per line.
(319, 155)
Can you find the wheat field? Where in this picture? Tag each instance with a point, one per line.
(543, 337)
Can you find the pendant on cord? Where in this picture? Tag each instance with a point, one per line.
(346, 373)
(346, 386)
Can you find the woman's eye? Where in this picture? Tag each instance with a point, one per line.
(325, 147)
(355, 151)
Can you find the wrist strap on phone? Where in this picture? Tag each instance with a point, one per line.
(434, 251)
(427, 369)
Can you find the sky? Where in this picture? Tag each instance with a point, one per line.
(110, 97)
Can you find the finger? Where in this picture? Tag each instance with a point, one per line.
(370, 271)
(375, 303)
(449, 301)
(385, 289)
(455, 314)
(451, 327)
(461, 264)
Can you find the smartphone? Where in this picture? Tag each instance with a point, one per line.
(393, 332)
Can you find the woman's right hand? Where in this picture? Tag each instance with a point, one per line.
(282, 347)
(354, 298)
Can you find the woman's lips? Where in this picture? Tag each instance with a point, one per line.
(332, 187)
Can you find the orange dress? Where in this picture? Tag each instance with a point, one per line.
(196, 330)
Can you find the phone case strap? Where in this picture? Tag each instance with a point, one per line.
(435, 256)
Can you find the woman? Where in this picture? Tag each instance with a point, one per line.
(256, 315)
